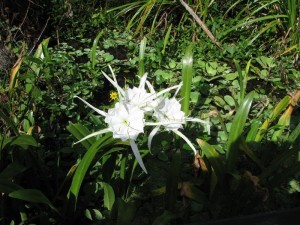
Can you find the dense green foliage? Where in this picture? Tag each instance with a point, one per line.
(244, 78)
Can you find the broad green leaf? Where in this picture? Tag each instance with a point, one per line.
(79, 131)
(230, 101)
(219, 101)
(23, 141)
(12, 170)
(109, 195)
(294, 135)
(251, 135)
(32, 195)
(39, 54)
(213, 157)
(6, 186)
(236, 131)
(83, 167)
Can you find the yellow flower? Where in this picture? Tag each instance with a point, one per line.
(113, 95)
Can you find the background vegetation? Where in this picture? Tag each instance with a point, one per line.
(244, 77)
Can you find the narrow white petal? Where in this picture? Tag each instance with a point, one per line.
(196, 120)
(143, 81)
(93, 134)
(102, 113)
(154, 95)
(163, 123)
(113, 74)
(186, 139)
(137, 154)
(114, 82)
(151, 135)
(168, 89)
(180, 85)
(149, 85)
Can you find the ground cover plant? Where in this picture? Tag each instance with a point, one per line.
(215, 87)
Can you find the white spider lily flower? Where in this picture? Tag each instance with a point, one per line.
(170, 116)
(125, 122)
(138, 96)
(169, 113)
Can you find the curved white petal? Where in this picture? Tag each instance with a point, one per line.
(102, 113)
(156, 95)
(151, 135)
(94, 134)
(137, 155)
(180, 85)
(186, 139)
(150, 87)
(115, 84)
(163, 123)
(143, 81)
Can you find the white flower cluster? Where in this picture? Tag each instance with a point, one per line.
(128, 117)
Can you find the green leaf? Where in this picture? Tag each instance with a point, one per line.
(38, 54)
(187, 77)
(8, 121)
(251, 135)
(236, 131)
(166, 39)
(219, 101)
(229, 100)
(79, 131)
(23, 141)
(32, 195)
(94, 48)
(12, 170)
(109, 196)
(7, 186)
(213, 157)
(275, 113)
(141, 56)
(83, 167)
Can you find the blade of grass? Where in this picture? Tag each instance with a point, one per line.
(249, 22)
(166, 39)
(202, 25)
(94, 48)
